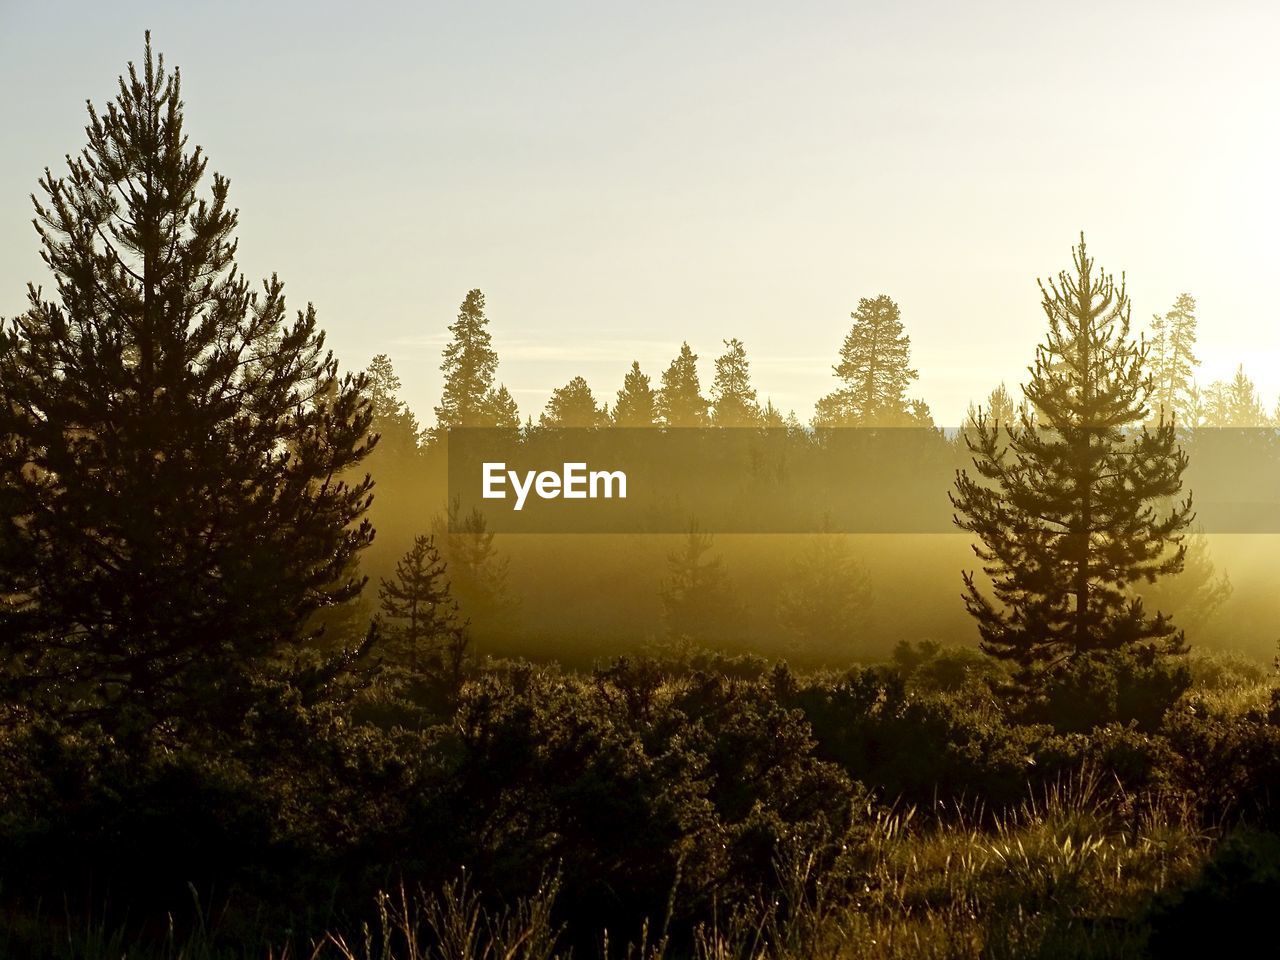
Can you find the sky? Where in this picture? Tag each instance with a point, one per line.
(618, 177)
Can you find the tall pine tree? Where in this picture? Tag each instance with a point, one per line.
(396, 426)
(1066, 510)
(875, 367)
(680, 399)
(733, 398)
(637, 404)
(698, 606)
(1234, 403)
(171, 447)
(1173, 362)
(469, 366)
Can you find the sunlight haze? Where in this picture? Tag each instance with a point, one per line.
(619, 178)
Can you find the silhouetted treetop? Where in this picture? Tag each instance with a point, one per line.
(1173, 362)
(574, 405)
(875, 367)
(733, 398)
(637, 404)
(680, 399)
(469, 366)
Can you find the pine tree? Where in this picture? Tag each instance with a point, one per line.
(771, 417)
(824, 597)
(1173, 362)
(573, 406)
(469, 367)
(697, 604)
(384, 386)
(393, 422)
(424, 631)
(501, 411)
(1066, 514)
(170, 447)
(637, 403)
(733, 398)
(680, 399)
(1000, 411)
(477, 572)
(1234, 403)
(875, 369)
(1196, 593)
(1000, 407)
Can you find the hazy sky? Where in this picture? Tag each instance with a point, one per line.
(619, 177)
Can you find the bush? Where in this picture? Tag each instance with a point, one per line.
(926, 750)
(1123, 686)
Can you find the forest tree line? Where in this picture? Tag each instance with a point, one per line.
(873, 369)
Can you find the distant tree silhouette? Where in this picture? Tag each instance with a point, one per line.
(383, 386)
(680, 399)
(1196, 593)
(501, 410)
(1173, 362)
(394, 423)
(733, 398)
(1066, 515)
(1000, 406)
(1000, 411)
(637, 404)
(573, 405)
(875, 367)
(697, 602)
(423, 629)
(824, 598)
(171, 448)
(477, 572)
(1233, 403)
(469, 366)
(772, 418)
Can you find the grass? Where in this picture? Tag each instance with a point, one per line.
(1068, 875)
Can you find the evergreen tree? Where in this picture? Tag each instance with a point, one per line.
(918, 415)
(393, 422)
(573, 405)
(1001, 412)
(733, 398)
(469, 366)
(1000, 407)
(383, 386)
(637, 403)
(1066, 514)
(1196, 593)
(824, 598)
(771, 417)
(680, 399)
(1173, 362)
(501, 411)
(697, 604)
(875, 369)
(423, 630)
(1234, 403)
(170, 448)
(477, 572)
